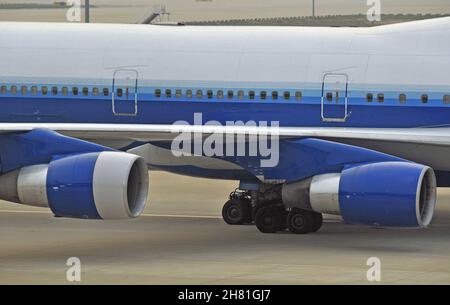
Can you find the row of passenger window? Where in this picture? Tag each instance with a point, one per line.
(44, 90)
(178, 93)
(229, 94)
(403, 98)
(220, 94)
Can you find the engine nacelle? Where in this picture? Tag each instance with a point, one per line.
(105, 185)
(397, 194)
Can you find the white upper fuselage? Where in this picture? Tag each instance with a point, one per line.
(409, 54)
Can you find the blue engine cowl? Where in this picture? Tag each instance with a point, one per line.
(389, 194)
(105, 185)
(398, 194)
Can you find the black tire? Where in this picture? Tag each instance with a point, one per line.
(237, 212)
(318, 221)
(254, 212)
(248, 211)
(283, 219)
(268, 219)
(300, 221)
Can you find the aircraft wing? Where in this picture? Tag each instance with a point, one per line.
(147, 133)
(53, 165)
(430, 146)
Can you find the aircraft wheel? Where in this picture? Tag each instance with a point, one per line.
(283, 219)
(318, 221)
(300, 221)
(269, 219)
(237, 212)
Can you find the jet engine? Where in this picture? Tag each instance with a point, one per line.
(390, 194)
(105, 185)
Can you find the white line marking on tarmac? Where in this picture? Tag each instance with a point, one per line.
(24, 212)
(181, 216)
(142, 215)
(148, 215)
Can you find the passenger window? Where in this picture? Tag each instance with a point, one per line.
(263, 95)
(329, 96)
(424, 98)
(274, 95)
(85, 91)
(251, 95)
(220, 94)
(75, 91)
(189, 93)
(199, 94)
(95, 91)
(402, 98)
(65, 91)
(178, 93)
(380, 97)
(24, 90)
(168, 93)
(54, 90)
(158, 93)
(44, 90)
(287, 95)
(298, 95)
(209, 93)
(369, 97)
(240, 94)
(230, 94)
(3, 89)
(34, 90)
(119, 92)
(446, 99)
(14, 90)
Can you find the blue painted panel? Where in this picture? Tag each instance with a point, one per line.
(39, 146)
(305, 113)
(380, 193)
(303, 158)
(69, 186)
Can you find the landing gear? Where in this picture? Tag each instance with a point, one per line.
(269, 214)
(303, 222)
(318, 221)
(271, 219)
(237, 212)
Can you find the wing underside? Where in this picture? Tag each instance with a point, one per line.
(430, 146)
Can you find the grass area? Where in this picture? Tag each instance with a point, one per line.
(332, 20)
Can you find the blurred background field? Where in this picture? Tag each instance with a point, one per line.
(242, 12)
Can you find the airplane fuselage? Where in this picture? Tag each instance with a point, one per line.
(384, 77)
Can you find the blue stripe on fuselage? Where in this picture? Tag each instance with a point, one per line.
(305, 113)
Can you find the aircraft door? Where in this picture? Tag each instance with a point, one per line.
(125, 92)
(334, 103)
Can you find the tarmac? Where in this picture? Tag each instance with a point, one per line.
(181, 239)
